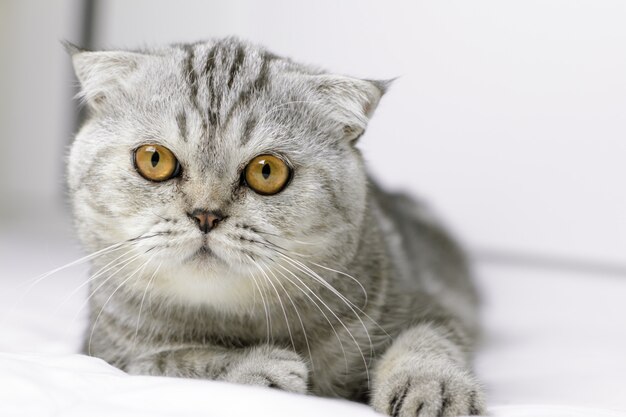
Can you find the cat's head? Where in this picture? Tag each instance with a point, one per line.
(218, 158)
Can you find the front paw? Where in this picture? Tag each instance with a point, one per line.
(270, 367)
(428, 390)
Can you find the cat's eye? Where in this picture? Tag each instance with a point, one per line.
(156, 163)
(267, 174)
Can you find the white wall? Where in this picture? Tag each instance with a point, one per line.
(509, 116)
(35, 101)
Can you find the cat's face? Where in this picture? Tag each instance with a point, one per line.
(168, 163)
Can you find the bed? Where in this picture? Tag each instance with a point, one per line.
(555, 345)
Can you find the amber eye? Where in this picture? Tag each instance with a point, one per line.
(267, 174)
(156, 163)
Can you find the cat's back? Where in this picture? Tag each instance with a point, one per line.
(425, 257)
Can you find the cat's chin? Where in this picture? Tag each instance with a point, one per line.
(203, 277)
(206, 281)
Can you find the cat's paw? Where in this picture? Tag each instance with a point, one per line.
(270, 367)
(429, 390)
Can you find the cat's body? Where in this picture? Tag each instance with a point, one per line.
(330, 285)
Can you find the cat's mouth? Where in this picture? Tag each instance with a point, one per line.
(205, 255)
(203, 252)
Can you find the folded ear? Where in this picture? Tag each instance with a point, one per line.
(102, 73)
(350, 101)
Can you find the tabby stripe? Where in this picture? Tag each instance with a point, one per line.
(192, 80)
(262, 78)
(190, 73)
(328, 185)
(445, 400)
(208, 70)
(257, 85)
(161, 362)
(473, 408)
(248, 129)
(234, 69)
(181, 121)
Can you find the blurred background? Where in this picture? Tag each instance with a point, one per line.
(508, 117)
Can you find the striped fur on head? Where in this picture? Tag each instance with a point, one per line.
(216, 105)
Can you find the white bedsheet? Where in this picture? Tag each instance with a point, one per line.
(555, 346)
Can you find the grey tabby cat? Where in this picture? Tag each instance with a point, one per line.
(237, 236)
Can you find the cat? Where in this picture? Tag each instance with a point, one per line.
(236, 235)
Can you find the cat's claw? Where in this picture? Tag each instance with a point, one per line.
(431, 392)
(270, 367)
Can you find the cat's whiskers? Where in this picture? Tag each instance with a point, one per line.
(300, 255)
(295, 308)
(269, 245)
(316, 277)
(356, 281)
(284, 252)
(280, 301)
(316, 305)
(265, 308)
(274, 248)
(343, 299)
(325, 283)
(95, 324)
(359, 309)
(32, 283)
(39, 279)
(93, 277)
(312, 274)
(274, 245)
(91, 256)
(143, 298)
(124, 263)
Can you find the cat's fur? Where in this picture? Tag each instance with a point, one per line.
(332, 286)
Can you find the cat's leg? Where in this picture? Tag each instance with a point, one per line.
(424, 373)
(264, 365)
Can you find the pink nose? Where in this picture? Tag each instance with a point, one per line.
(206, 220)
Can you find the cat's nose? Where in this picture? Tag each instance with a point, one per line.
(206, 220)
